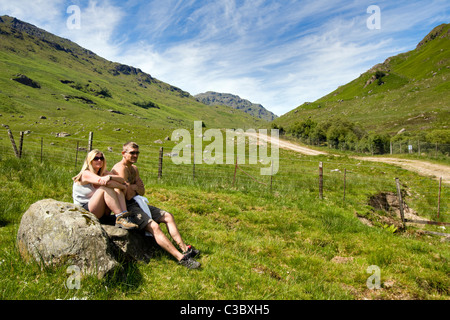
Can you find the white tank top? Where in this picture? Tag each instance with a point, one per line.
(81, 193)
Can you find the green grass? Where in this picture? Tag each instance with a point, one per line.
(255, 243)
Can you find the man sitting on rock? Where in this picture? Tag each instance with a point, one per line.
(127, 169)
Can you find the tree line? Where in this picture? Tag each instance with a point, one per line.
(343, 134)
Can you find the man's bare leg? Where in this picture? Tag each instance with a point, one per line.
(166, 244)
(162, 240)
(172, 228)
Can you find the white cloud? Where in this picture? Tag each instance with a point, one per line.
(237, 52)
(279, 77)
(42, 13)
(98, 28)
(283, 75)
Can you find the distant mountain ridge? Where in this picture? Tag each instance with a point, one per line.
(215, 98)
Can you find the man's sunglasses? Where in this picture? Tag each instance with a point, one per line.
(134, 152)
(99, 158)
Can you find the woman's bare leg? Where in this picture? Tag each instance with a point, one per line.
(121, 199)
(102, 199)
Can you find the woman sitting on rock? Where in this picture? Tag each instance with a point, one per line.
(101, 192)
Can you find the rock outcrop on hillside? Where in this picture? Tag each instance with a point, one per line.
(437, 32)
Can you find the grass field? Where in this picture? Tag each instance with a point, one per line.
(257, 243)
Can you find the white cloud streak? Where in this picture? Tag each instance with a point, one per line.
(99, 21)
(42, 13)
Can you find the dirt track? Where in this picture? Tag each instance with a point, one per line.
(289, 145)
(421, 167)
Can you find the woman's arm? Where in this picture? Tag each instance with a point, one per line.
(116, 185)
(94, 179)
(115, 177)
(111, 181)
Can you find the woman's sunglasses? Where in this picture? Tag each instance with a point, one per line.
(99, 158)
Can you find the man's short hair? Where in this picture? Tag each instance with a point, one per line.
(130, 144)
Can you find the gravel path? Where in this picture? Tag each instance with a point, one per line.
(421, 167)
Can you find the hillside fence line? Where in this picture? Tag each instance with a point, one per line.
(70, 151)
(411, 146)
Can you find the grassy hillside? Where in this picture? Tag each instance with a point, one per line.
(409, 91)
(77, 90)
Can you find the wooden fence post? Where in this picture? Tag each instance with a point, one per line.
(400, 201)
(345, 182)
(271, 176)
(91, 138)
(42, 148)
(13, 143)
(321, 180)
(193, 169)
(439, 198)
(76, 155)
(160, 163)
(235, 170)
(21, 144)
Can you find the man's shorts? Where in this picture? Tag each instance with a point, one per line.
(139, 217)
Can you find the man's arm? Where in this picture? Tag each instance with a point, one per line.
(138, 186)
(132, 188)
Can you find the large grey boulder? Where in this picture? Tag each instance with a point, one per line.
(54, 233)
(131, 245)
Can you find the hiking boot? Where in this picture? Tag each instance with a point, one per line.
(123, 221)
(189, 262)
(191, 252)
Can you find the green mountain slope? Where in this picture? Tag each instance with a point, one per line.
(409, 91)
(74, 89)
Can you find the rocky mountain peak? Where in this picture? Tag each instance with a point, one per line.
(216, 98)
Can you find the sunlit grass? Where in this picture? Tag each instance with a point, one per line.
(256, 242)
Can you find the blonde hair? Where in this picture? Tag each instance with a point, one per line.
(87, 165)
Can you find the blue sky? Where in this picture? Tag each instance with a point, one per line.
(276, 53)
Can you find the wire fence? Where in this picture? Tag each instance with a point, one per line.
(323, 176)
(413, 147)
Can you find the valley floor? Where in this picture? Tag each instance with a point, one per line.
(421, 167)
